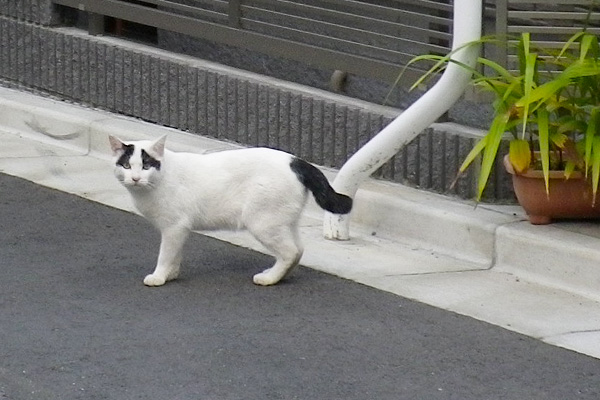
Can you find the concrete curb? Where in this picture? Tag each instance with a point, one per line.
(562, 256)
(487, 237)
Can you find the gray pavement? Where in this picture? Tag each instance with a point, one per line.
(77, 323)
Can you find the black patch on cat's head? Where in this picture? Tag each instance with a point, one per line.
(127, 152)
(149, 162)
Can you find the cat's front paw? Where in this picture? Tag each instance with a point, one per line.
(154, 280)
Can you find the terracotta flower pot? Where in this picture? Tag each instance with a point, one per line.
(569, 198)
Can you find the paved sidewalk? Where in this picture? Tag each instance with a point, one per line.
(486, 263)
(76, 322)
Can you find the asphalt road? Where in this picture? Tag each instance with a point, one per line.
(76, 322)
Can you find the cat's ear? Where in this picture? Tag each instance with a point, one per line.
(158, 147)
(116, 144)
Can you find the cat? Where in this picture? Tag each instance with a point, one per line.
(260, 190)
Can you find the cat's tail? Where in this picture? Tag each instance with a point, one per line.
(314, 180)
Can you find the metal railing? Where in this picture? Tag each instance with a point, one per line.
(368, 38)
(550, 22)
(372, 38)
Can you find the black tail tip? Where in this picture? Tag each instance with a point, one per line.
(340, 204)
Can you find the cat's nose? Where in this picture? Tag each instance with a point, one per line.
(136, 178)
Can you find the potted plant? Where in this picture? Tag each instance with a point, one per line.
(550, 107)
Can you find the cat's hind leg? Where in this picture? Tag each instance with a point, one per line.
(169, 257)
(284, 243)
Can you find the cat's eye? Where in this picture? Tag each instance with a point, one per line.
(126, 165)
(146, 166)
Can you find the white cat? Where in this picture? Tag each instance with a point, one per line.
(258, 189)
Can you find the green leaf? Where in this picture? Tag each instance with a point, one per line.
(589, 138)
(594, 47)
(595, 169)
(569, 43)
(437, 67)
(558, 139)
(542, 93)
(440, 62)
(543, 136)
(523, 51)
(494, 137)
(528, 84)
(478, 148)
(580, 69)
(512, 90)
(432, 71)
(499, 69)
(584, 46)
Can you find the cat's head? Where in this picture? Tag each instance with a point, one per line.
(138, 164)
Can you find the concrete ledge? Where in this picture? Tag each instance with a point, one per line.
(436, 222)
(551, 255)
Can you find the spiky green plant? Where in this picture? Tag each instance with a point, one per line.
(551, 103)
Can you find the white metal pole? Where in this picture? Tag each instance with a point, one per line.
(426, 110)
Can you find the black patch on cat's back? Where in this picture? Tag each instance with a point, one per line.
(127, 152)
(149, 162)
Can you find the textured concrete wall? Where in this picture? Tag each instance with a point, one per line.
(359, 87)
(37, 11)
(207, 99)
